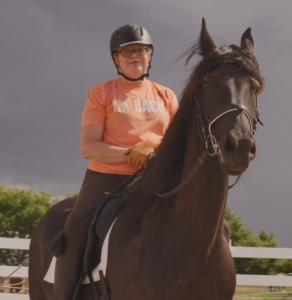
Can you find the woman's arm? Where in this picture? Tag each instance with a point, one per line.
(93, 148)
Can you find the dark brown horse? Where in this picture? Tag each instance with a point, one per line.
(175, 248)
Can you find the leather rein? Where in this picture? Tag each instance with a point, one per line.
(204, 127)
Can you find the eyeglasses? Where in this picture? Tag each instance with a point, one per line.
(128, 52)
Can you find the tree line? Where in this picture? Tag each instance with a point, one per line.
(21, 210)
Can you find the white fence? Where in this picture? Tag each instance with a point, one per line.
(248, 252)
(8, 243)
(258, 252)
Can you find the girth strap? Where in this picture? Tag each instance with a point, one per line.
(103, 286)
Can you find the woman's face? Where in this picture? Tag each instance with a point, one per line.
(133, 66)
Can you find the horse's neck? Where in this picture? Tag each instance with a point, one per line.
(200, 205)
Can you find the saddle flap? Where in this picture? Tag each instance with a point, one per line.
(102, 218)
(55, 241)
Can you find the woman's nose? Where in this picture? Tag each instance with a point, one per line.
(134, 53)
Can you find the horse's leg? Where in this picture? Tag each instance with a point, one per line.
(39, 264)
(226, 229)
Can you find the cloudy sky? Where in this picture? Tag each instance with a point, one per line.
(53, 51)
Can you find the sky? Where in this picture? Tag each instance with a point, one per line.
(53, 52)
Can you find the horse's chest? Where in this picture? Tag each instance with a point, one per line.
(161, 266)
(156, 274)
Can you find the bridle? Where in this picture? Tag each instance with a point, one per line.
(205, 131)
(205, 123)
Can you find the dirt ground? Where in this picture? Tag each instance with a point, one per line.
(262, 293)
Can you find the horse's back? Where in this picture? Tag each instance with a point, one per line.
(55, 218)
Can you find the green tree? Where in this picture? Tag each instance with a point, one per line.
(284, 266)
(20, 212)
(244, 237)
(74, 194)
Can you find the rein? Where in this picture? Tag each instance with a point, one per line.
(199, 163)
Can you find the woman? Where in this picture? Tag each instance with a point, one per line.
(123, 121)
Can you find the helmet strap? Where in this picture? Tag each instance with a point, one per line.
(134, 79)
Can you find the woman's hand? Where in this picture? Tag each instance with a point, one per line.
(139, 152)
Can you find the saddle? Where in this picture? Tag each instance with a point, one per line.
(101, 221)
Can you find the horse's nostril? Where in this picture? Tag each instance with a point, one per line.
(253, 149)
(230, 146)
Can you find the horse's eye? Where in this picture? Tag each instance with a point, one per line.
(257, 91)
(204, 85)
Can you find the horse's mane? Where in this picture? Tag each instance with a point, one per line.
(164, 170)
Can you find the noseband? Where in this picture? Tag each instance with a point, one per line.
(205, 123)
(204, 127)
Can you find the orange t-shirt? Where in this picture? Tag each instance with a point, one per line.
(130, 114)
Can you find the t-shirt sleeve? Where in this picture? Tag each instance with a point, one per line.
(95, 108)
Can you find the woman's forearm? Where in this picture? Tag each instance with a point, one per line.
(94, 149)
(104, 153)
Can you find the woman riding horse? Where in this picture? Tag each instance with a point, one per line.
(168, 240)
(123, 121)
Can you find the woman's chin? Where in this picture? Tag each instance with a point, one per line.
(134, 73)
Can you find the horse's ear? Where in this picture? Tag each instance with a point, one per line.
(207, 45)
(247, 42)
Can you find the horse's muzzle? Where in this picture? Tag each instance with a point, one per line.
(237, 151)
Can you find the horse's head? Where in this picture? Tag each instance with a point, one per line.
(227, 82)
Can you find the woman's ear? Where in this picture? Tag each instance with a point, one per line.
(150, 56)
(116, 58)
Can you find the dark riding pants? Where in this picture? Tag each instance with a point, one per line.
(93, 189)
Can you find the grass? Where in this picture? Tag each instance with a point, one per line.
(261, 293)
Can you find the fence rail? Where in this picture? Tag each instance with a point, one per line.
(260, 252)
(7, 296)
(15, 244)
(247, 252)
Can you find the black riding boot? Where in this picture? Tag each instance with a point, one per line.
(69, 267)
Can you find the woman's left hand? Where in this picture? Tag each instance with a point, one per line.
(139, 152)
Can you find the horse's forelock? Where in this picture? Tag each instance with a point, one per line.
(232, 53)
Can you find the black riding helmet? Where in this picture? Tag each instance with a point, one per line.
(130, 34)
